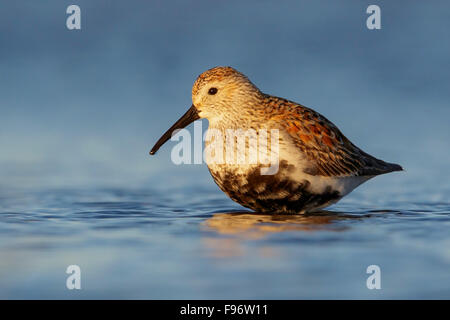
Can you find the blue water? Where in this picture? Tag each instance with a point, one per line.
(79, 111)
(195, 243)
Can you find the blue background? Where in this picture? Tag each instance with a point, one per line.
(80, 110)
(84, 107)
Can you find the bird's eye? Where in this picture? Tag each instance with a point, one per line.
(212, 91)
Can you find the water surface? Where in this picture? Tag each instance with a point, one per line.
(196, 243)
(79, 111)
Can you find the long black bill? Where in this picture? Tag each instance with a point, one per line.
(190, 116)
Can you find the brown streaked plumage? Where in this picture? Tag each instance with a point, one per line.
(329, 151)
(317, 164)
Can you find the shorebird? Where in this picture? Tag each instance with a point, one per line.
(318, 165)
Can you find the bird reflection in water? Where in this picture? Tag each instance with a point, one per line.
(240, 226)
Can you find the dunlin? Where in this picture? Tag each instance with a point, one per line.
(318, 165)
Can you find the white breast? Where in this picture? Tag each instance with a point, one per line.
(217, 157)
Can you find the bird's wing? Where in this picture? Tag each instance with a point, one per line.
(329, 152)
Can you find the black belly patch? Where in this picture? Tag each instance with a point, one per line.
(273, 193)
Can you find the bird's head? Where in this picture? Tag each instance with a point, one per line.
(218, 94)
(222, 91)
